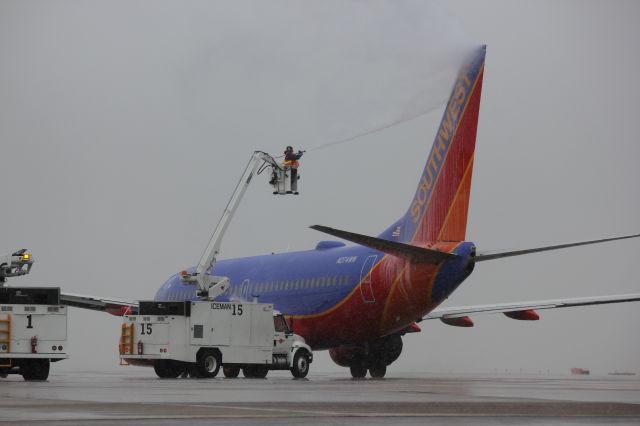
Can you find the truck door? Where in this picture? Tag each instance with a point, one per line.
(366, 289)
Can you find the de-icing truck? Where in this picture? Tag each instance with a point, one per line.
(199, 337)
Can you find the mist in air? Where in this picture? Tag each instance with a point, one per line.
(124, 126)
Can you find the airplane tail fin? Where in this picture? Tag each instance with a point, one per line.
(438, 211)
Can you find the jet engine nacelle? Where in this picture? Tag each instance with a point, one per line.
(381, 351)
(526, 315)
(348, 355)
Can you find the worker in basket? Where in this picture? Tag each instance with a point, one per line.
(291, 163)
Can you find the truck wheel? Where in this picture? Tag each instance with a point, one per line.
(247, 372)
(301, 363)
(378, 371)
(260, 371)
(36, 369)
(358, 371)
(166, 369)
(192, 371)
(231, 372)
(208, 364)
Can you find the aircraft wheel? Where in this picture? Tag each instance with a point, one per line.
(36, 369)
(301, 363)
(208, 364)
(231, 372)
(378, 371)
(358, 371)
(255, 371)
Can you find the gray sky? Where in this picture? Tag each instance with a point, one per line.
(125, 125)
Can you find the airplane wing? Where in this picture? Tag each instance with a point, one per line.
(112, 306)
(459, 316)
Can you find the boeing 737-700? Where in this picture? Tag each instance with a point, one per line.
(358, 301)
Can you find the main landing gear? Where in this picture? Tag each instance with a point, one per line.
(368, 357)
(376, 371)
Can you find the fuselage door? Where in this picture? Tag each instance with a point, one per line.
(245, 290)
(366, 289)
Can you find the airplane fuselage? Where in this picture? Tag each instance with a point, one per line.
(338, 294)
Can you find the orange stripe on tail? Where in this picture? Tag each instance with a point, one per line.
(438, 211)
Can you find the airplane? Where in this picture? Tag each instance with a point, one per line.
(358, 301)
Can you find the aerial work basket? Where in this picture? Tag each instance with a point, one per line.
(284, 180)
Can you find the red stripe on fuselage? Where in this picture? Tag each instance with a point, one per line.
(402, 292)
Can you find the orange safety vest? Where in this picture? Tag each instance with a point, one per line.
(291, 163)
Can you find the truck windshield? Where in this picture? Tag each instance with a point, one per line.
(280, 324)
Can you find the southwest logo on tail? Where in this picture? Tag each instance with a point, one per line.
(438, 211)
(359, 301)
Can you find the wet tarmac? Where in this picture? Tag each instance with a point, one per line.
(136, 397)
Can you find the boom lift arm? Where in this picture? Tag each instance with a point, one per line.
(211, 286)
